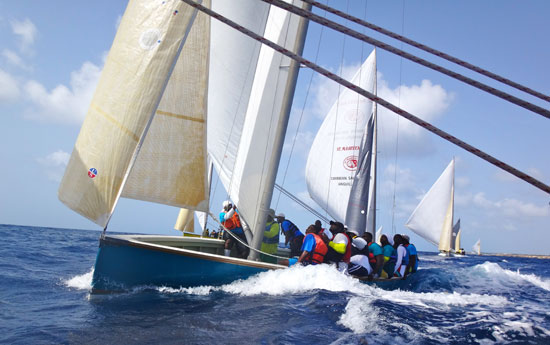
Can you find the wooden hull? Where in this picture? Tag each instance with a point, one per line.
(127, 261)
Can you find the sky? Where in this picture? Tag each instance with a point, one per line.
(51, 58)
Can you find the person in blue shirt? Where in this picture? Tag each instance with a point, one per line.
(314, 247)
(390, 257)
(413, 255)
(293, 235)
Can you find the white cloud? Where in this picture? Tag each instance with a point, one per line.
(9, 88)
(511, 207)
(64, 104)
(14, 59)
(26, 31)
(54, 164)
(426, 101)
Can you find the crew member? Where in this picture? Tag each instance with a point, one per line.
(402, 256)
(389, 257)
(339, 251)
(314, 248)
(376, 256)
(293, 235)
(229, 218)
(270, 241)
(413, 255)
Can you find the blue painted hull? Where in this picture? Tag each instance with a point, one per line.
(122, 264)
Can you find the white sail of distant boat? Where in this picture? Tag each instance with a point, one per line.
(477, 247)
(348, 131)
(433, 217)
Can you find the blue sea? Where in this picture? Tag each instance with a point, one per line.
(45, 280)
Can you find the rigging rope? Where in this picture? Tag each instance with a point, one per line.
(377, 99)
(303, 204)
(397, 128)
(430, 50)
(338, 27)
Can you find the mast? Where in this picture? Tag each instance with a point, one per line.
(273, 165)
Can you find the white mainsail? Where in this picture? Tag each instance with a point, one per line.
(477, 247)
(333, 157)
(144, 53)
(433, 217)
(249, 81)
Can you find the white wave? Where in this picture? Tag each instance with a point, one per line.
(296, 279)
(81, 282)
(491, 270)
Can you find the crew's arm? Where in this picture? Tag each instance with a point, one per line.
(304, 255)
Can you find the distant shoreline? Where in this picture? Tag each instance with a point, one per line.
(532, 256)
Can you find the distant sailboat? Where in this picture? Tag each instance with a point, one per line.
(341, 166)
(455, 240)
(477, 247)
(433, 217)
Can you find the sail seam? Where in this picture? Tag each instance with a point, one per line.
(115, 122)
(179, 116)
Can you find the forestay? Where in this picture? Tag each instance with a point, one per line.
(127, 96)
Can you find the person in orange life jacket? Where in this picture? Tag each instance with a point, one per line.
(390, 256)
(229, 218)
(292, 235)
(359, 261)
(270, 241)
(413, 255)
(314, 247)
(376, 257)
(402, 256)
(339, 251)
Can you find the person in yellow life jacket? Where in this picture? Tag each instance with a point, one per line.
(314, 247)
(339, 251)
(270, 241)
(229, 218)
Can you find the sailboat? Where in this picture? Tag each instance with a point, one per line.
(433, 217)
(341, 166)
(172, 76)
(457, 250)
(477, 247)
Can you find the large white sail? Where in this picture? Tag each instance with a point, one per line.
(245, 113)
(171, 165)
(333, 157)
(433, 217)
(144, 52)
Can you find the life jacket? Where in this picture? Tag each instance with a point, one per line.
(372, 259)
(271, 240)
(319, 252)
(347, 255)
(233, 222)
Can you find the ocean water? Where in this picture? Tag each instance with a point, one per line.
(45, 278)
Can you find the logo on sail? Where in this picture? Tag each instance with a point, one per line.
(350, 163)
(92, 173)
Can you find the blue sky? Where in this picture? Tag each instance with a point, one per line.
(51, 57)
